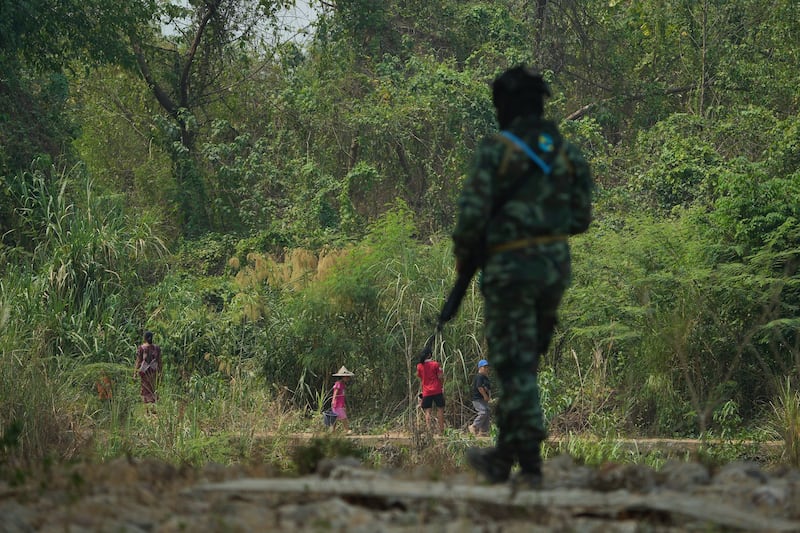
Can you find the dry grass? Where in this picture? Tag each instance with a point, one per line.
(786, 423)
(328, 260)
(298, 269)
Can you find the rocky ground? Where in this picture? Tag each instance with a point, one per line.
(144, 495)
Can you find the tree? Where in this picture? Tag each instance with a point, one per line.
(40, 43)
(207, 53)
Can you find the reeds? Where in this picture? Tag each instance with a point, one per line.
(786, 422)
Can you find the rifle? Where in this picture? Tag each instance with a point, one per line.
(451, 305)
(469, 267)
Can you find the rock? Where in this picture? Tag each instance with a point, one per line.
(678, 475)
(214, 473)
(16, 518)
(333, 514)
(157, 473)
(740, 473)
(562, 472)
(769, 496)
(120, 472)
(338, 466)
(632, 477)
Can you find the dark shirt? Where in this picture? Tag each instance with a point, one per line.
(480, 381)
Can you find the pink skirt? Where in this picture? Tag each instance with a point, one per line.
(341, 413)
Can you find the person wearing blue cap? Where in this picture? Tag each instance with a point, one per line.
(481, 396)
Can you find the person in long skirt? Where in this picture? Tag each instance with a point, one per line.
(148, 367)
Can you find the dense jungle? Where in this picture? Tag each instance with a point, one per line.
(270, 187)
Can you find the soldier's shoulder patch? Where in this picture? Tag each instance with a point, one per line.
(546, 143)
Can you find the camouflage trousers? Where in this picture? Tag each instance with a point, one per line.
(520, 319)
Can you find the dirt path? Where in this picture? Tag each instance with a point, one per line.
(642, 445)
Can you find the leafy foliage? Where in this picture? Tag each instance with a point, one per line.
(275, 209)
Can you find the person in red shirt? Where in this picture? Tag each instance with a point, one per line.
(432, 379)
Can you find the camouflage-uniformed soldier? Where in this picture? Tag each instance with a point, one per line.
(520, 212)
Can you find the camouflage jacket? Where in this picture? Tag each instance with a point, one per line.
(507, 198)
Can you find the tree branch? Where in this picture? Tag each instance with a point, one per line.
(580, 113)
(160, 94)
(192, 52)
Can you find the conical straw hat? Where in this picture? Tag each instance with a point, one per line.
(344, 372)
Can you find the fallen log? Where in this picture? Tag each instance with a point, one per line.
(577, 501)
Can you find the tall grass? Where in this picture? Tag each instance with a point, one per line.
(786, 421)
(45, 408)
(38, 393)
(66, 308)
(211, 419)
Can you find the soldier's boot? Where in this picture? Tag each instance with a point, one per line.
(490, 463)
(530, 474)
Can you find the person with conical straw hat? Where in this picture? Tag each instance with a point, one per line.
(339, 403)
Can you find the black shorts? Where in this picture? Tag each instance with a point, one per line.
(436, 399)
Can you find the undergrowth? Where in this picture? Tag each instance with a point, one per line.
(239, 421)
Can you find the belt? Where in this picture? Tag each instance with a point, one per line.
(524, 243)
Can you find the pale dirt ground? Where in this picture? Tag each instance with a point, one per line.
(127, 495)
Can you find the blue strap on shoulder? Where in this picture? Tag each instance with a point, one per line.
(528, 150)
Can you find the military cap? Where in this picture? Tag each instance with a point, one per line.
(520, 79)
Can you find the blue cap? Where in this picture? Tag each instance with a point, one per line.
(482, 363)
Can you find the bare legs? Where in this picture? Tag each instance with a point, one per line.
(439, 419)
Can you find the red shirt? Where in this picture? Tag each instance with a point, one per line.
(430, 372)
